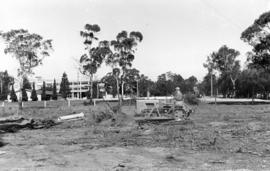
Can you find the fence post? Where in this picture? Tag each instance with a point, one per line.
(3, 104)
(68, 103)
(45, 103)
(94, 102)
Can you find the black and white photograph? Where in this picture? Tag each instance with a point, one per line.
(135, 85)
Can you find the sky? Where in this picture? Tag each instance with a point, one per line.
(178, 34)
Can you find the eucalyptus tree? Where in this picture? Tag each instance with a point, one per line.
(95, 52)
(225, 62)
(258, 36)
(209, 65)
(110, 83)
(29, 49)
(123, 54)
(131, 80)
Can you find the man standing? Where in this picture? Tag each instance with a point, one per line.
(179, 102)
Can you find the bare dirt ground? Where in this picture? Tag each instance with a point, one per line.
(222, 137)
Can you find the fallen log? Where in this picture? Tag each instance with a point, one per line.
(11, 119)
(14, 124)
(71, 117)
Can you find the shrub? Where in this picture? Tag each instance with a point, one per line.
(102, 116)
(24, 95)
(34, 93)
(13, 96)
(191, 99)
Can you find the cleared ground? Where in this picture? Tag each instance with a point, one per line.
(222, 137)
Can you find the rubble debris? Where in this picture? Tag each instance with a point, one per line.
(12, 124)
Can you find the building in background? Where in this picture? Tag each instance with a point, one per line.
(78, 88)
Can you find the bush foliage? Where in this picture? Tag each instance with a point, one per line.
(191, 99)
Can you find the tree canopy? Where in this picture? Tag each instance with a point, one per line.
(92, 59)
(258, 36)
(225, 63)
(28, 48)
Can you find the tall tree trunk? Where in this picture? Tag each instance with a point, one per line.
(118, 94)
(91, 88)
(20, 96)
(122, 90)
(252, 94)
(234, 88)
(138, 93)
(211, 85)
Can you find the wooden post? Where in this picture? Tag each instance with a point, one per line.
(45, 103)
(68, 103)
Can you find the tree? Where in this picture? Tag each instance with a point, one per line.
(253, 81)
(5, 81)
(110, 83)
(13, 96)
(29, 49)
(130, 79)
(24, 95)
(64, 86)
(224, 61)
(34, 93)
(43, 92)
(26, 83)
(54, 95)
(206, 86)
(210, 67)
(145, 85)
(167, 82)
(123, 55)
(178, 81)
(225, 86)
(190, 83)
(164, 85)
(258, 36)
(94, 56)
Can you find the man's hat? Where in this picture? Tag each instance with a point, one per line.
(177, 88)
